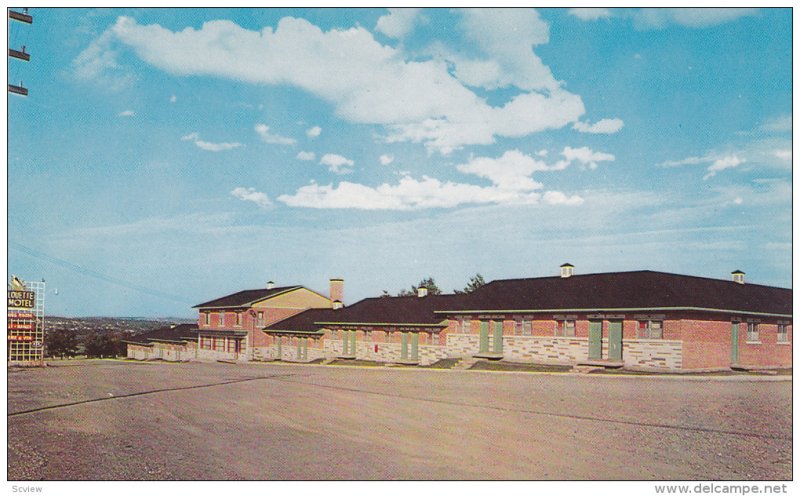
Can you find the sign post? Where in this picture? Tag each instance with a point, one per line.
(26, 323)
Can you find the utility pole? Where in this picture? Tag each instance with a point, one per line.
(21, 54)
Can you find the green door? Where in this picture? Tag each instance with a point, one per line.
(415, 346)
(299, 349)
(280, 347)
(497, 345)
(484, 337)
(353, 343)
(345, 342)
(735, 343)
(305, 348)
(404, 346)
(595, 340)
(615, 340)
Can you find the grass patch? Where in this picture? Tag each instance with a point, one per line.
(363, 363)
(518, 367)
(444, 363)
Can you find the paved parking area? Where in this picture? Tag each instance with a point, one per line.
(98, 419)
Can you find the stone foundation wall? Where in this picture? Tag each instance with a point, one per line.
(386, 352)
(138, 352)
(566, 350)
(462, 345)
(653, 353)
(214, 355)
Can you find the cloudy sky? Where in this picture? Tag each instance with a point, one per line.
(165, 157)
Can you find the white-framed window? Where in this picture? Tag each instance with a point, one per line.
(432, 340)
(334, 334)
(466, 323)
(752, 331)
(565, 328)
(650, 329)
(523, 327)
(221, 319)
(207, 316)
(783, 333)
(239, 318)
(260, 318)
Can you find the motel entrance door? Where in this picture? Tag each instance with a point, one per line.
(595, 340)
(734, 343)
(615, 340)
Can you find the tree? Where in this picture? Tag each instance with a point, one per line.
(99, 345)
(62, 342)
(475, 282)
(429, 283)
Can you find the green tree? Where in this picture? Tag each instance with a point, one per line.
(106, 344)
(429, 283)
(475, 282)
(61, 342)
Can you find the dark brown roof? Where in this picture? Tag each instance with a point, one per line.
(244, 298)
(175, 333)
(303, 321)
(396, 310)
(625, 290)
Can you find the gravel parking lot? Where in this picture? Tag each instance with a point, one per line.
(104, 419)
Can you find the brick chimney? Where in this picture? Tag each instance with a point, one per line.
(336, 292)
(738, 276)
(567, 270)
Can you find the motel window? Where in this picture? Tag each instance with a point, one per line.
(221, 319)
(432, 339)
(464, 325)
(205, 343)
(752, 331)
(783, 333)
(522, 327)
(208, 318)
(565, 328)
(260, 318)
(334, 334)
(650, 329)
(239, 319)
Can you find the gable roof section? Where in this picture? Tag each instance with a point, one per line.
(304, 321)
(246, 297)
(624, 290)
(397, 310)
(178, 333)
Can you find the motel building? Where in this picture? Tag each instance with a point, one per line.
(640, 320)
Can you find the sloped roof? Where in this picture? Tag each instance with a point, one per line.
(303, 321)
(396, 310)
(177, 333)
(246, 297)
(624, 290)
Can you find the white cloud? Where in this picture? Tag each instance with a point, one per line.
(659, 18)
(97, 63)
(397, 23)
(586, 156)
(306, 156)
(173, 99)
(510, 175)
(603, 126)
(251, 195)
(314, 132)
(263, 132)
(782, 123)
(337, 163)
(783, 154)
(386, 159)
(590, 14)
(723, 163)
(366, 82)
(208, 146)
(127, 113)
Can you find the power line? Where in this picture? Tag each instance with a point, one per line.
(91, 273)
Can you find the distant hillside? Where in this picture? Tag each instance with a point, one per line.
(125, 325)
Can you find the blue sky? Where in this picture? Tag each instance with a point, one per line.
(165, 157)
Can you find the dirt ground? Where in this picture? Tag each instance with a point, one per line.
(80, 420)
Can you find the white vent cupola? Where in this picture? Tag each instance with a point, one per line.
(567, 270)
(738, 276)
